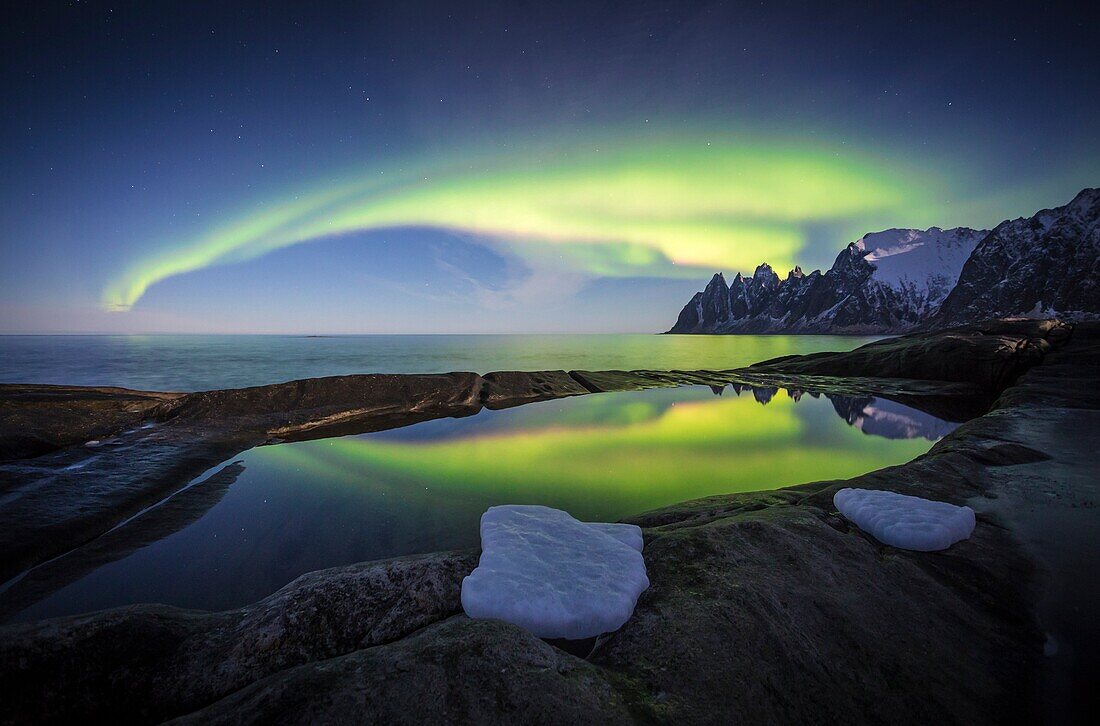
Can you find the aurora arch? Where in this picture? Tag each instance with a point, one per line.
(639, 207)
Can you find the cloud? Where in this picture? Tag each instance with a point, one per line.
(519, 285)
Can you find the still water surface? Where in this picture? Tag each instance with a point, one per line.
(299, 507)
(203, 362)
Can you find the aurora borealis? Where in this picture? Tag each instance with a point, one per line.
(504, 167)
(607, 457)
(699, 205)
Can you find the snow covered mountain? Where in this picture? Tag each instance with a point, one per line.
(884, 282)
(922, 266)
(900, 279)
(1046, 265)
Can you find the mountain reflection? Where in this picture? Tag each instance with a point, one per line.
(872, 415)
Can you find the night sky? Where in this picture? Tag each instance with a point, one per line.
(504, 167)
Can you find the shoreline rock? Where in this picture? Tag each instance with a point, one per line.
(172, 438)
(763, 607)
(169, 661)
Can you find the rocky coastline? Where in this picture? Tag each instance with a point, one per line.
(763, 607)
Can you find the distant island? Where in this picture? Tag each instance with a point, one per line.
(901, 280)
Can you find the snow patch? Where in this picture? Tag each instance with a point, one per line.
(553, 575)
(1038, 312)
(899, 520)
(922, 264)
(629, 534)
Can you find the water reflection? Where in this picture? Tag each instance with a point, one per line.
(883, 417)
(303, 506)
(871, 415)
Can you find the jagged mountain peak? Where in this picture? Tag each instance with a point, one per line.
(895, 241)
(1086, 200)
(897, 279)
(849, 254)
(765, 276)
(1041, 265)
(1081, 204)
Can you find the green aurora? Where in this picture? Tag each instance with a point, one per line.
(606, 457)
(639, 207)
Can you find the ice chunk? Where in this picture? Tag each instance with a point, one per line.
(555, 576)
(911, 523)
(628, 534)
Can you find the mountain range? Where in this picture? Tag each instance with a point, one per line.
(899, 280)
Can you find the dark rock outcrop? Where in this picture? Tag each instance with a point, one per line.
(145, 663)
(37, 419)
(991, 355)
(457, 671)
(1046, 265)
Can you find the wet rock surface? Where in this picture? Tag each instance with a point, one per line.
(37, 419)
(991, 356)
(457, 671)
(152, 445)
(777, 611)
(763, 607)
(172, 516)
(149, 662)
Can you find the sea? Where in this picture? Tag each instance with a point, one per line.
(205, 362)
